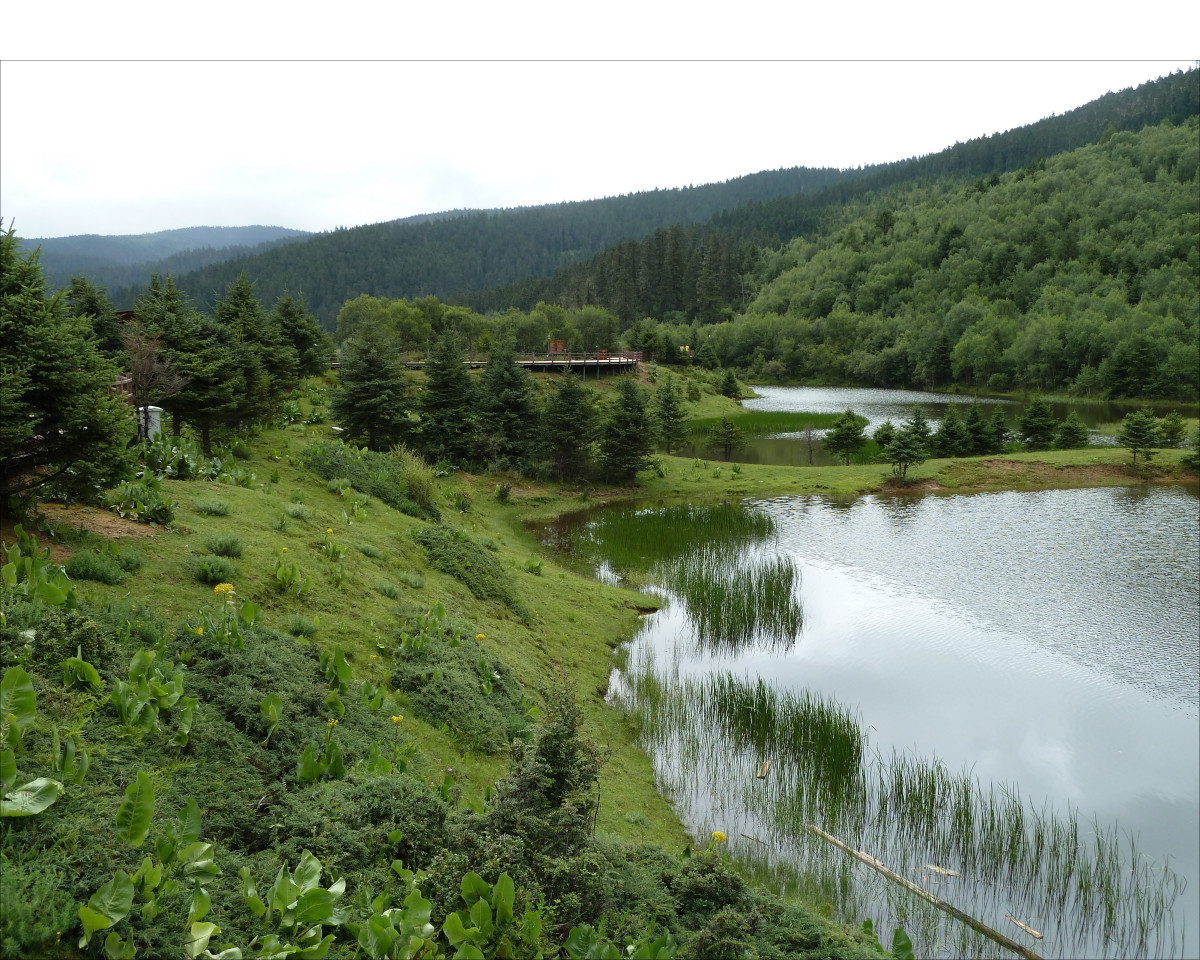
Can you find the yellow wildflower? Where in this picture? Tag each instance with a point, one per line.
(199, 631)
(480, 636)
(329, 529)
(223, 588)
(332, 723)
(719, 836)
(397, 718)
(284, 550)
(374, 656)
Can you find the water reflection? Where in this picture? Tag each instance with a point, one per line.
(1047, 641)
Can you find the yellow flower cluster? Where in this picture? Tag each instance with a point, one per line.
(331, 724)
(223, 588)
(329, 529)
(480, 636)
(719, 836)
(397, 718)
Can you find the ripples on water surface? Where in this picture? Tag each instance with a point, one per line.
(1045, 641)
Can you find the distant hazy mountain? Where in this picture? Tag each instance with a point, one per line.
(118, 261)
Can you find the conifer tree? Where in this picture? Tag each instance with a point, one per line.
(906, 450)
(447, 405)
(1171, 429)
(1071, 434)
(60, 427)
(85, 299)
(569, 428)
(977, 428)
(1038, 425)
(952, 438)
(624, 438)
(997, 432)
(918, 428)
(846, 436)
(508, 409)
(730, 386)
(670, 414)
(1139, 432)
(371, 404)
(295, 325)
(727, 436)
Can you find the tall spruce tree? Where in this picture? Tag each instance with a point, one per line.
(85, 299)
(449, 427)
(569, 428)
(625, 439)
(371, 403)
(1037, 425)
(508, 410)
(670, 415)
(1139, 432)
(1072, 433)
(60, 427)
(295, 325)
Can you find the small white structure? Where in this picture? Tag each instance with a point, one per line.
(150, 420)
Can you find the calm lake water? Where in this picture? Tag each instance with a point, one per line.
(1047, 644)
(897, 405)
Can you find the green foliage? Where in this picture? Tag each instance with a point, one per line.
(212, 570)
(90, 565)
(225, 545)
(394, 479)
(1171, 429)
(487, 927)
(1038, 425)
(178, 458)
(143, 501)
(1071, 434)
(18, 707)
(449, 423)
(30, 798)
(569, 425)
(29, 572)
(136, 811)
(846, 437)
(372, 404)
(730, 387)
(211, 507)
(299, 625)
(1139, 432)
(727, 436)
(509, 414)
(625, 437)
(470, 692)
(61, 429)
(455, 553)
(38, 908)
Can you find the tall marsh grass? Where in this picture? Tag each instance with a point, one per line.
(982, 847)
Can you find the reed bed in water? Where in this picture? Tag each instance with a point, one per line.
(732, 602)
(983, 847)
(640, 539)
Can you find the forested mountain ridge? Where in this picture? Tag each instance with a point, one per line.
(466, 250)
(125, 260)
(699, 272)
(1081, 271)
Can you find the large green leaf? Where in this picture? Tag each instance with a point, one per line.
(136, 810)
(376, 936)
(503, 895)
(8, 766)
(108, 905)
(30, 798)
(198, 937)
(189, 822)
(18, 704)
(473, 887)
(308, 874)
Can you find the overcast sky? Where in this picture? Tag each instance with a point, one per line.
(133, 146)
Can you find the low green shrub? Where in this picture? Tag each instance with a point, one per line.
(299, 625)
(297, 511)
(39, 907)
(370, 550)
(142, 501)
(43, 638)
(401, 480)
(389, 590)
(225, 545)
(211, 507)
(409, 579)
(453, 552)
(468, 689)
(98, 567)
(213, 570)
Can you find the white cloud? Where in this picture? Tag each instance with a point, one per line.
(121, 147)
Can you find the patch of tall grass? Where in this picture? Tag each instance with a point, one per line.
(761, 423)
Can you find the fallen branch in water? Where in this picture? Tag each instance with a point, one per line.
(924, 894)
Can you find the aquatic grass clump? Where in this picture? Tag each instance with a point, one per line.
(986, 848)
(732, 602)
(638, 539)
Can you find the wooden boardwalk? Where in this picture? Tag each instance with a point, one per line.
(585, 364)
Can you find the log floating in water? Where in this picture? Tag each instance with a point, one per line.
(924, 894)
(1024, 926)
(764, 769)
